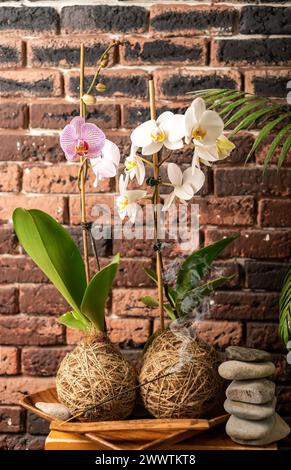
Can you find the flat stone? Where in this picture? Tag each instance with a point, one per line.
(279, 431)
(56, 410)
(239, 370)
(246, 430)
(251, 391)
(247, 354)
(250, 411)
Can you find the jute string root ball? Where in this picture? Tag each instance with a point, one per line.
(191, 384)
(90, 375)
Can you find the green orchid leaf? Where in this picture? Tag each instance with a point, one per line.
(96, 294)
(170, 311)
(149, 301)
(70, 320)
(195, 266)
(285, 309)
(194, 297)
(55, 253)
(151, 274)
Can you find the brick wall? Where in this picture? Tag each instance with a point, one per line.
(244, 45)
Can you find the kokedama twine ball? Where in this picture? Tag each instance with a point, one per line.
(192, 386)
(91, 374)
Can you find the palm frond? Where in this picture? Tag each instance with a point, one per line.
(246, 111)
(285, 310)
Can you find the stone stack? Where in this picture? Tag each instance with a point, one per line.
(251, 398)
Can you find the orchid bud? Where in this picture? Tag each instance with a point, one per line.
(88, 99)
(104, 62)
(101, 87)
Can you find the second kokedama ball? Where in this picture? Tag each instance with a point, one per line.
(179, 376)
(96, 381)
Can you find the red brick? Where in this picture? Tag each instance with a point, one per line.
(126, 302)
(8, 361)
(10, 177)
(226, 268)
(41, 298)
(21, 442)
(30, 82)
(65, 51)
(269, 82)
(37, 425)
(131, 273)
(119, 83)
(41, 361)
(13, 115)
(135, 114)
(19, 269)
(8, 299)
(59, 178)
(8, 240)
(30, 330)
(11, 419)
(12, 390)
(29, 21)
(283, 369)
(175, 84)
(188, 51)
(11, 53)
(240, 181)
(264, 336)
(226, 211)
(54, 205)
(50, 115)
(73, 336)
(220, 333)
(261, 152)
(253, 243)
(274, 213)
(19, 147)
(244, 305)
(265, 275)
(128, 331)
(192, 19)
(122, 140)
(91, 202)
(250, 52)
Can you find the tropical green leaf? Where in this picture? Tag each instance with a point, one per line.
(55, 253)
(96, 294)
(275, 143)
(285, 309)
(149, 301)
(169, 291)
(195, 266)
(284, 151)
(151, 274)
(70, 320)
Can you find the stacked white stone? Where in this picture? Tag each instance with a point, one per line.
(251, 398)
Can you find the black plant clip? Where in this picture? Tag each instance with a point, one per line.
(158, 246)
(153, 181)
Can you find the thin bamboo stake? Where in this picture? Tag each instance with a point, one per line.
(157, 210)
(82, 160)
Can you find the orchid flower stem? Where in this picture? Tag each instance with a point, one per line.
(166, 184)
(156, 203)
(147, 162)
(165, 159)
(101, 66)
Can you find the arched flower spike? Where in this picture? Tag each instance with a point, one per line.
(202, 126)
(81, 139)
(105, 165)
(134, 166)
(185, 184)
(168, 130)
(126, 201)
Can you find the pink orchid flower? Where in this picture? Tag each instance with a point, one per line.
(81, 139)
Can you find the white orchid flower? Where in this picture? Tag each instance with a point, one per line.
(134, 166)
(207, 154)
(168, 130)
(185, 184)
(126, 201)
(105, 165)
(202, 126)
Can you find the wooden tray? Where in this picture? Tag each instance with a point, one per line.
(143, 433)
